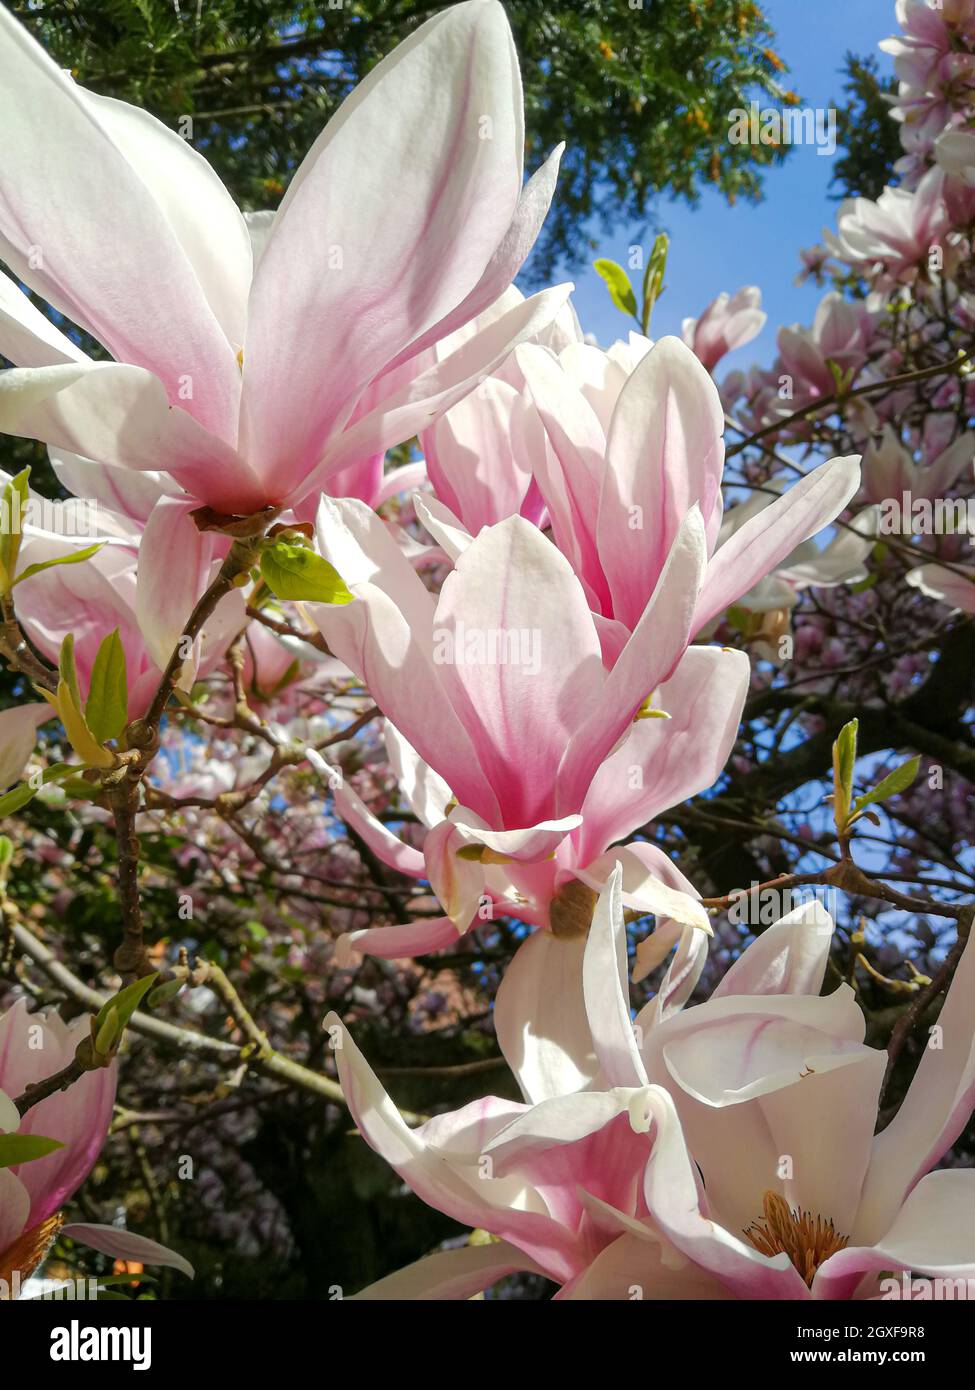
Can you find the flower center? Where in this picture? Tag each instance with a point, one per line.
(807, 1240)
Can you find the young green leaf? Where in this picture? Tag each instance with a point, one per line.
(294, 572)
(24, 1148)
(13, 506)
(74, 557)
(897, 781)
(18, 797)
(125, 1003)
(618, 283)
(844, 760)
(106, 711)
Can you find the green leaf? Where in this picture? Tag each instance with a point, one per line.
(106, 711)
(75, 557)
(18, 797)
(618, 283)
(294, 572)
(67, 669)
(653, 279)
(164, 993)
(24, 1148)
(13, 504)
(897, 781)
(844, 760)
(125, 1003)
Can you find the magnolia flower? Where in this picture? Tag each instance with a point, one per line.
(255, 361)
(628, 461)
(33, 1047)
(511, 1168)
(765, 1178)
(500, 684)
(889, 470)
(840, 333)
(729, 322)
(146, 594)
(726, 1150)
(660, 763)
(893, 236)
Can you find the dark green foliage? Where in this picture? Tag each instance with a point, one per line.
(641, 95)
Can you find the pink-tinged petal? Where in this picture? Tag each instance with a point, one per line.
(634, 1268)
(380, 839)
(18, 738)
(606, 991)
(28, 338)
(126, 1245)
(450, 1275)
(756, 1078)
(427, 793)
(120, 415)
(598, 375)
(674, 1202)
(665, 454)
(649, 658)
(663, 762)
(540, 1018)
(955, 587)
(458, 883)
(33, 1046)
(765, 540)
(442, 1161)
(339, 272)
(933, 1234)
(410, 408)
(127, 280)
(14, 1208)
(387, 638)
(478, 454)
(789, 958)
(128, 493)
(521, 663)
(935, 1110)
(449, 533)
(420, 938)
(204, 218)
(569, 472)
(174, 563)
(527, 845)
(533, 203)
(406, 478)
(644, 888)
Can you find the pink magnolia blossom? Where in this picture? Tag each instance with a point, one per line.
(660, 763)
(500, 683)
(729, 322)
(33, 1047)
(256, 359)
(892, 237)
(692, 1155)
(617, 489)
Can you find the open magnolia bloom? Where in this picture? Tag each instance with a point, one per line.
(659, 763)
(501, 684)
(33, 1047)
(621, 446)
(725, 1151)
(253, 362)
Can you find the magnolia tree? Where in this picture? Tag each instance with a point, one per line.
(410, 698)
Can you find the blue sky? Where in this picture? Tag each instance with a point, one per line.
(715, 247)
